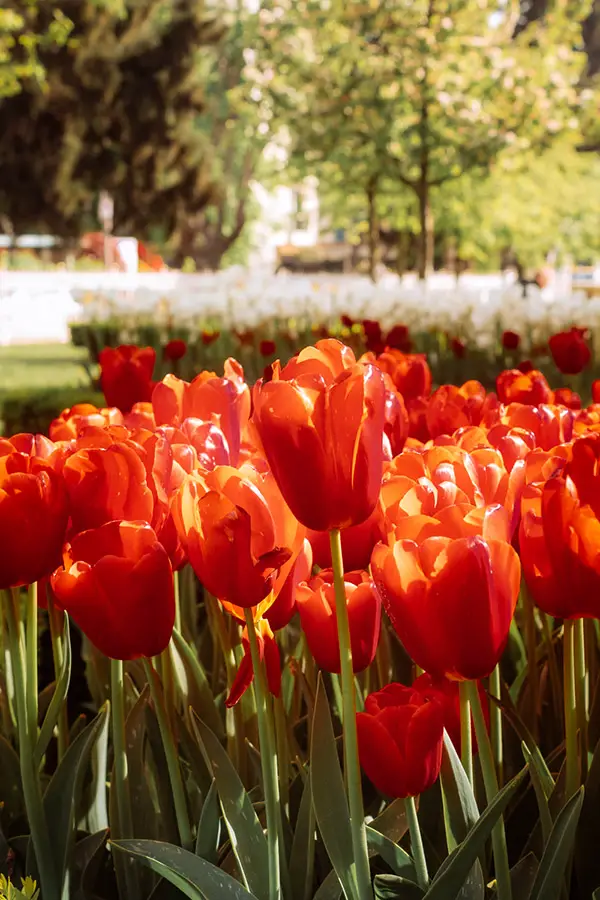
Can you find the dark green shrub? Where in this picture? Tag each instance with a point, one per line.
(34, 411)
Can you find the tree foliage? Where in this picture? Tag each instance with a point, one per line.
(116, 112)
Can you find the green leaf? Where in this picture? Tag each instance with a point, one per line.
(393, 887)
(587, 858)
(61, 797)
(329, 796)
(245, 831)
(194, 876)
(392, 821)
(194, 684)
(330, 889)
(397, 859)
(525, 735)
(454, 871)
(58, 699)
(537, 779)
(209, 826)
(549, 879)
(302, 857)
(522, 877)
(460, 807)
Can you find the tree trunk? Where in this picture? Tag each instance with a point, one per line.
(373, 229)
(425, 247)
(402, 252)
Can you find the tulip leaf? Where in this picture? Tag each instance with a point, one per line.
(58, 699)
(455, 870)
(302, 857)
(587, 858)
(209, 826)
(460, 807)
(397, 859)
(522, 877)
(329, 796)
(61, 797)
(557, 853)
(392, 821)
(194, 876)
(245, 831)
(330, 889)
(537, 779)
(525, 735)
(198, 694)
(393, 887)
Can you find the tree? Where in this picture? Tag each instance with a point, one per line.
(428, 90)
(19, 45)
(117, 113)
(233, 131)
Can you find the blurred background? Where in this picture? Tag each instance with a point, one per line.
(224, 167)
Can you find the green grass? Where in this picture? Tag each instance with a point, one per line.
(42, 367)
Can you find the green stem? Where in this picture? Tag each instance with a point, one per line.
(177, 588)
(31, 651)
(532, 667)
(352, 765)
(179, 799)
(268, 759)
(32, 792)
(486, 759)
(466, 733)
(581, 693)
(416, 843)
(55, 621)
(570, 700)
(121, 768)
(496, 723)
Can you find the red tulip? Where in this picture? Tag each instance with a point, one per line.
(268, 652)
(284, 607)
(126, 375)
(458, 347)
(105, 484)
(560, 534)
(409, 372)
(209, 337)
(240, 536)
(399, 339)
(452, 407)
(267, 348)
(116, 583)
(71, 422)
(320, 420)
(510, 340)
(447, 694)
(223, 401)
(400, 737)
(570, 351)
(450, 599)
(316, 605)
(357, 543)
(596, 390)
(566, 397)
(175, 350)
(33, 510)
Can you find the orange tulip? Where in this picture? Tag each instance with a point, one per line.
(268, 652)
(71, 421)
(240, 536)
(409, 372)
(514, 386)
(450, 599)
(33, 510)
(551, 425)
(321, 421)
(116, 583)
(452, 407)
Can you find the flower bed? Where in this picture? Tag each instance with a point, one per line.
(340, 550)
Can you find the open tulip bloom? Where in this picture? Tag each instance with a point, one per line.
(342, 549)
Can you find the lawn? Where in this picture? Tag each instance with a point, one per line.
(42, 367)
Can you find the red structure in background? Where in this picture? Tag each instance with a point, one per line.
(105, 247)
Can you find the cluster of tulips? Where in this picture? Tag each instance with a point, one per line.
(330, 493)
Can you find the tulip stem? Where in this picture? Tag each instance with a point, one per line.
(581, 693)
(168, 741)
(57, 637)
(31, 656)
(352, 765)
(570, 700)
(416, 842)
(466, 733)
(121, 769)
(32, 792)
(496, 722)
(490, 781)
(268, 759)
